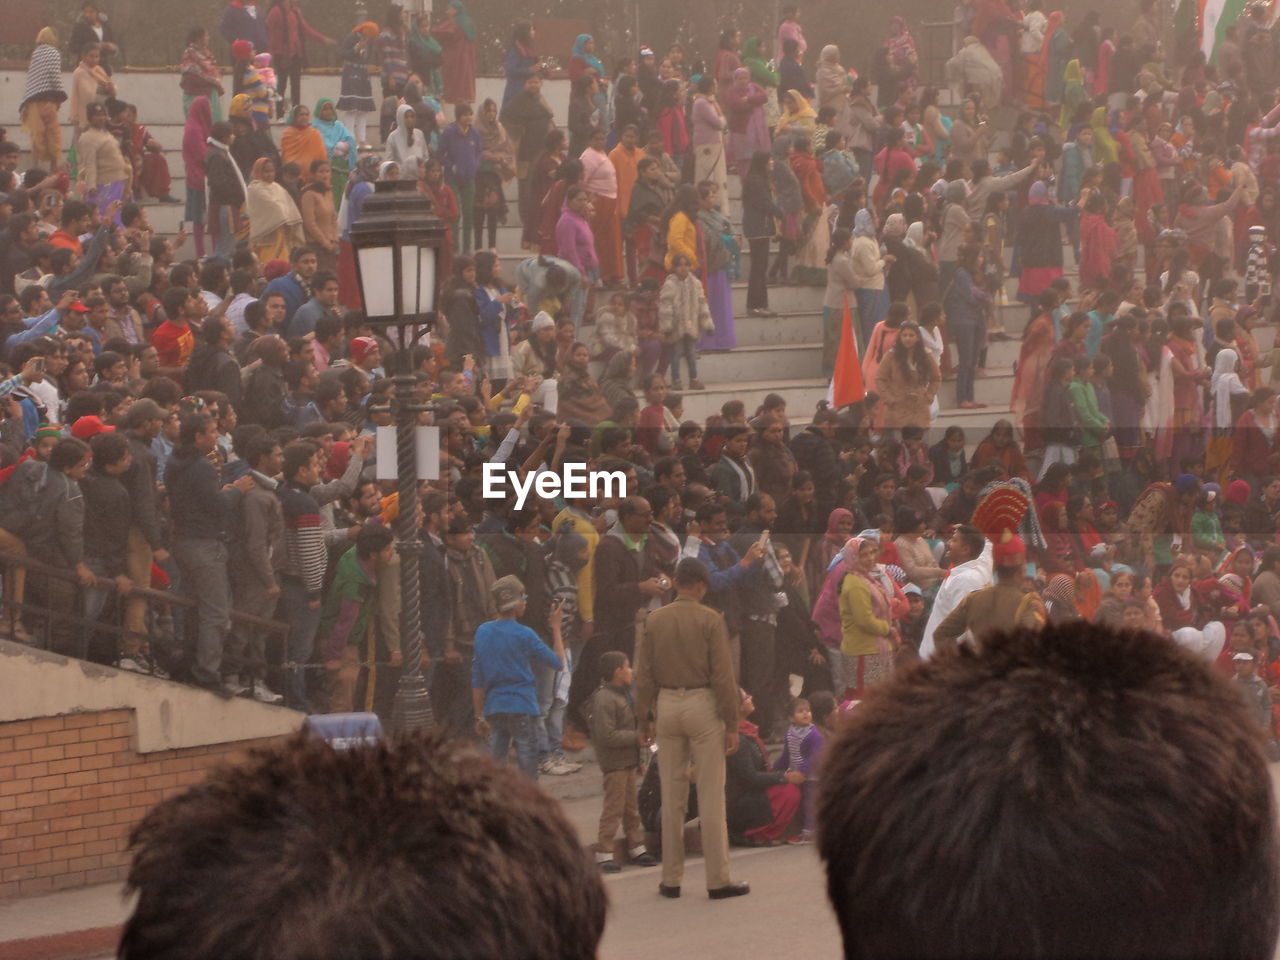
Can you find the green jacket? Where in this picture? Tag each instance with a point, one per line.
(1093, 423)
(350, 608)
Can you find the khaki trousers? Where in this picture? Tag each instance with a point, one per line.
(342, 682)
(688, 728)
(621, 806)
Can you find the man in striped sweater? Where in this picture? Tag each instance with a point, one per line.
(302, 574)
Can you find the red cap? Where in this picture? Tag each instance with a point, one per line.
(1008, 551)
(87, 427)
(78, 306)
(361, 347)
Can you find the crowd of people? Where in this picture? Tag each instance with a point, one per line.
(204, 423)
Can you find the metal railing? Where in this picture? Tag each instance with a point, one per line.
(160, 604)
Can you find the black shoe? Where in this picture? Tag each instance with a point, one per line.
(610, 866)
(739, 888)
(644, 860)
(671, 893)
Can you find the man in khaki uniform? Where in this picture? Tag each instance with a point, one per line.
(1006, 604)
(684, 680)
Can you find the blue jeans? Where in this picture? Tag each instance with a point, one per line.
(224, 240)
(872, 306)
(550, 728)
(303, 621)
(518, 728)
(684, 347)
(968, 340)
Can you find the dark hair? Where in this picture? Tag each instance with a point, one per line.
(396, 825)
(1116, 751)
(67, 453)
(297, 454)
(373, 538)
(691, 571)
(611, 662)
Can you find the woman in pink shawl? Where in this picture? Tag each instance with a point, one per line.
(748, 129)
(195, 136)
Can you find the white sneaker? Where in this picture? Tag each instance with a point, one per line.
(264, 694)
(132, 665)
(234, 687)
(545, 766)
(560, 767)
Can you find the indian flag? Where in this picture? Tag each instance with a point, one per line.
(1215, 17)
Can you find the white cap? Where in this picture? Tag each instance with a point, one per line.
(1243, 657)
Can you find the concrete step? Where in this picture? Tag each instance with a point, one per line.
(804, 327)
(802, 396)
(792, 361)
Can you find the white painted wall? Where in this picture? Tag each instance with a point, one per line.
(167, 715)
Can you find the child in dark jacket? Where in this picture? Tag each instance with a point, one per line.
(612, 719)
(802, 747)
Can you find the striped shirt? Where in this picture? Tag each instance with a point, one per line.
(305, 554)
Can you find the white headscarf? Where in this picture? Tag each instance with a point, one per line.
(1225, 384)
(915, 236)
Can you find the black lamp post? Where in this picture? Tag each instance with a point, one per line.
(398, 243)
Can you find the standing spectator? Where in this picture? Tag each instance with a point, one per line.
(40, 101)
(320, 217)
(355, 101)
(497, 167)
(226, 189)
(456, 34)
(617, 744)
(460, 153)
(709, 126)
(966, 307)
(89, 84)
(301, 143)
(351, 612)
(302, 572)
(287, 32)
(195, 146)
(257, 556)
(574, 239)
(520, 61)
(244, 20)
(393, 52)
(92, 27)
(539, 148)
(275, 225)
(211, 366)
(685, 682)
(104, 176)
(683, 316)
(199, 74)
(504, 694)
(601, 181)
(200, 544)
(107, 518)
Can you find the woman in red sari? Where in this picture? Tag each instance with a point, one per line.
(568, 174)
(1033, 366)
(1147, 191)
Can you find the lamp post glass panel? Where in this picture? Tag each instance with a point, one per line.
(397, 242)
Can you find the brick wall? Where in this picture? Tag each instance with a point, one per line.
(71, 790)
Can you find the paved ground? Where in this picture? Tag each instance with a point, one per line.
(786, 913)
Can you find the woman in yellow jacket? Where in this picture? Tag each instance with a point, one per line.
(865, 620)
(682, 228)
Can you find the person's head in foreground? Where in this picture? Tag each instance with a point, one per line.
(420, 850)
(1072, 792)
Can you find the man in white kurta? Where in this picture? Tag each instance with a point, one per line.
(968, 574)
